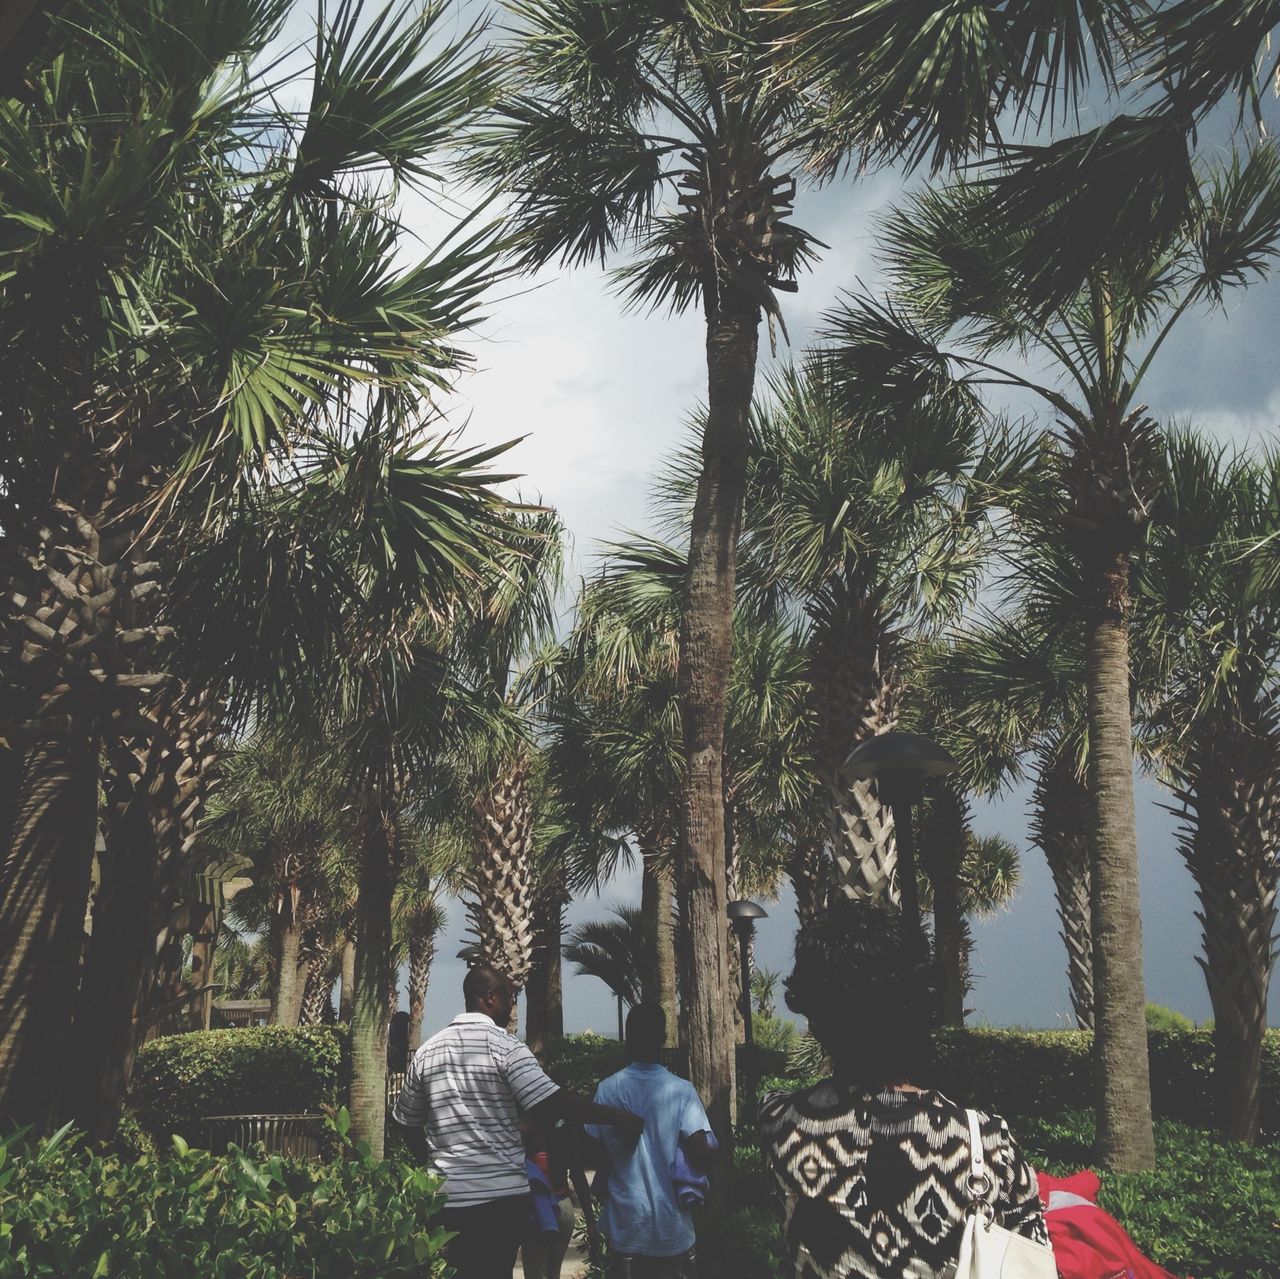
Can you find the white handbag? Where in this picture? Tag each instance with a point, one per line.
(988, 1251)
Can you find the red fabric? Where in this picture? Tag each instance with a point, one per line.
(1089, 1243)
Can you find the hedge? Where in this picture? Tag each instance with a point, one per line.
(1212, 1210)
(179, 1079)
(68, 1210)
(1048, 1072)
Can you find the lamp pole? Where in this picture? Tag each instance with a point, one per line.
(899, 762)
(742, 918)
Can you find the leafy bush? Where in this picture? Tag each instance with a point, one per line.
(1161, 1018)
(580, 1062)
(68, 1210)
(1046, 1072)
(1211, 1209)
(179, 1079)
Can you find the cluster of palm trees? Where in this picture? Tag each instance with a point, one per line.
(240, 543)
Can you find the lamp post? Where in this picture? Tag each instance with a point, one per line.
(742, 919)
(899, 762)
(471, 954)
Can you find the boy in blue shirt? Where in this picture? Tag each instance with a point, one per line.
(649, 1233)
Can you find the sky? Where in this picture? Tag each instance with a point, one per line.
(599, 398)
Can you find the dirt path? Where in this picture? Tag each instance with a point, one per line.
(574, 1266)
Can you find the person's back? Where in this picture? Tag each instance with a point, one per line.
(874, 1183)
(647, 1230)
(872, 1171)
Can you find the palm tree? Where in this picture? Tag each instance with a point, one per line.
(1210, 628)
(1093, 492)
(609, 105)
(197, 345)
(1005, 688)
(513, 619)
(874, 531)
(619, 951)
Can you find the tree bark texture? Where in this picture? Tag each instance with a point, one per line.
(1125, 1141)
(1059, 826)
(943, 846)
(706, 641)
(1230, 841)
(347, 985)
(119, 967)
(422, 953)
(288, 1002)
(657, 898)
(544, 994)
(317, 991)
(809, 870)
(855, 697)
(371, 1009)
(44, 892)
(501, 912)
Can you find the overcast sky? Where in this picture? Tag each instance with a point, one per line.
(602, 397)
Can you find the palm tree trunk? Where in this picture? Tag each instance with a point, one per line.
(809, 869)
(370, 1012)
(315, 1007)
(706, 643)
(943, 845)
(855, 697)
(657, 899)
(1125, 1141)
(1058, 800)
(347, 988)
(288, 1002)
(422, 953)
(119, 967)
(544, 994)
(44, 891)
(1234, 797)
(501, 913)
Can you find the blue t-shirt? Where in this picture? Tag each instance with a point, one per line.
(640, 1215)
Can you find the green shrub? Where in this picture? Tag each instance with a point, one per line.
(1017, 1072)
(580, 1062)
(68, 1210)
(1211, 1209)
(1161, 1018)
(179, 1079)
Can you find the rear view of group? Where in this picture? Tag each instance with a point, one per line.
(876, 1175)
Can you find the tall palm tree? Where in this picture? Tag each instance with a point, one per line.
(954, 308)
(609, 106)
(873, 531)
(619, 951)
(512, 621)
(1210, 627)
(1009, 688)
(198, 344)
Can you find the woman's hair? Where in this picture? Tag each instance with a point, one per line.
(864, 980)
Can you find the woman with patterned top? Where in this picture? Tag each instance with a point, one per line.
(871, 1167)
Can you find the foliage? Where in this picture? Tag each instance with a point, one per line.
(180, 1079)
(66, 1210)
(620, 951)
(774, 1034)
(1211, 1208)
(580, 1062)
(1161, 1018)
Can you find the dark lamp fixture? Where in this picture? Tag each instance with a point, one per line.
(898, 752)
(472, 954)
(745, 912)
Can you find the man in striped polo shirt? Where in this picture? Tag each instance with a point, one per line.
(465, 1093)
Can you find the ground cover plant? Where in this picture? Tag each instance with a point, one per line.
(70, 1209)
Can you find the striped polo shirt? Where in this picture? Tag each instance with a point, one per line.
(468, 1086)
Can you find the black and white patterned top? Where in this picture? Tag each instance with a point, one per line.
(873, 1185)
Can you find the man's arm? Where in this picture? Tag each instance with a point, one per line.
(699, 1151)
(563, 1104)
(415, 1139)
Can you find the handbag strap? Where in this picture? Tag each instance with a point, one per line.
(980, 1182)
